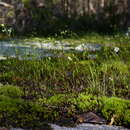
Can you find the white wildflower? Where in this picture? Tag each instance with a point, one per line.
(116, 49)
(110, 78)
(127, 34)
(49, 58)
(2, 25)
(69, 58)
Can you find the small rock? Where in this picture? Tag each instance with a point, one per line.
(90, 117)
(3, 128)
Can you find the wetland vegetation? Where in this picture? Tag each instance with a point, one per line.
(34, 92)
(90, 74)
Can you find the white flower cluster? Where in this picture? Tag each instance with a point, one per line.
(116, 49)
(7, 30)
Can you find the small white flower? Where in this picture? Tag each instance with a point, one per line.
(110, 78)
(2, 25)
(10, 30)
(69, 58)
(116, 49)
(49, 58)
(127, 34)
(3, 30)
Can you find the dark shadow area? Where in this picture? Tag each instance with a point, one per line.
(49, 18)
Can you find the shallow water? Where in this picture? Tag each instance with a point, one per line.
(86, 126)
(37, 50)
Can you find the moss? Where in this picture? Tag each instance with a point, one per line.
(85, 102)
(54, 100)
(9, 109)
(11, 91)
(118, 67)
(126, 120)
(115, 107)
(58, 106)
(16, 111)
(86, 62)
(26, 3)
(8, 104)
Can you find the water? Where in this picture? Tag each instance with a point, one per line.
(86, 126)
(89, 47)
(22, 51)
(30, 50)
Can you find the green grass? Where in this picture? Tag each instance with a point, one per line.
(107, 77)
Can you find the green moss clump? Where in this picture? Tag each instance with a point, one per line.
(8, 104)
(14, 111)
(127, 117)
(115, 107)
(117, 67)
(11, 91)
(9, 110)
(54, 100)
(26, 3)
(54, 104)
(85, 102)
